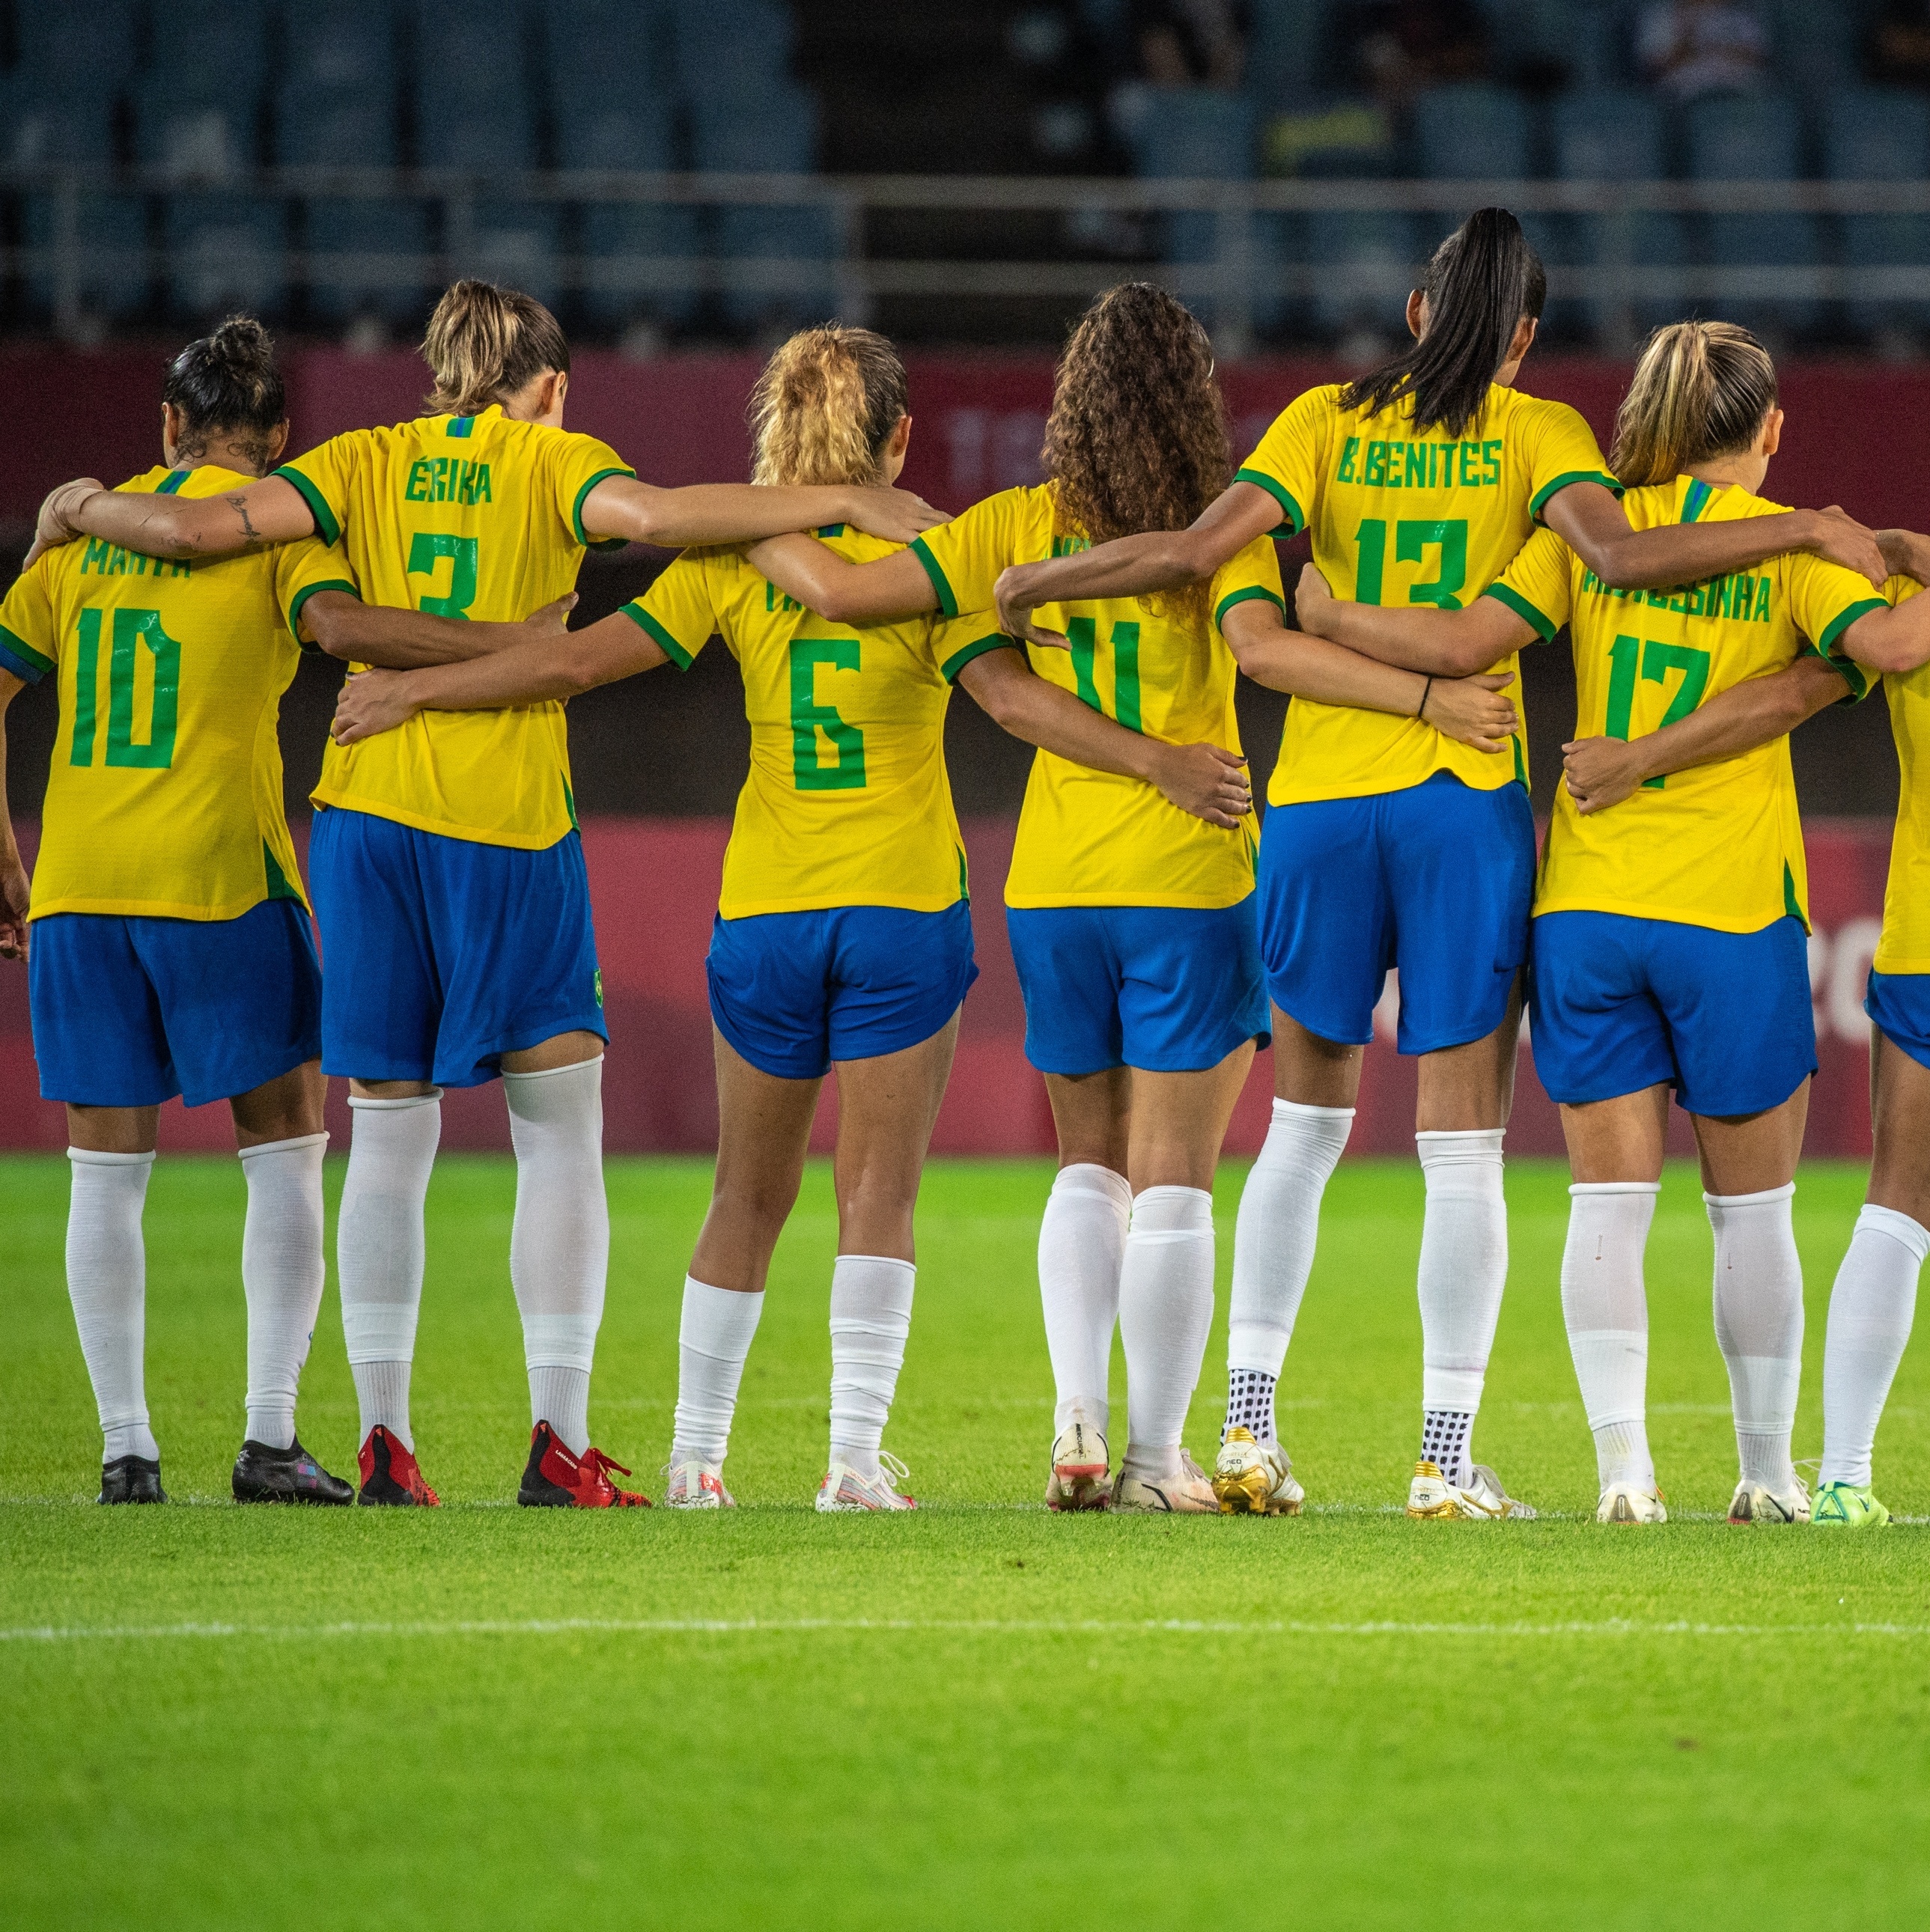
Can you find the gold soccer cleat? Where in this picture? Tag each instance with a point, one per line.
(1250, 1481)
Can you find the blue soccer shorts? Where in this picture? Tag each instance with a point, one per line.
(1169, 989)
(1899, 1004)
(129, 1013)
(1618, 1004)
(793, 992)
(444, 954)
(1436, 880)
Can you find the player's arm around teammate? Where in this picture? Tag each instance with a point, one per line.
(171, 952)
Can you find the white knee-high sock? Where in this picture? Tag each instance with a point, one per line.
(281, 1276)
(1759, 1324)
(107, 1282)
(1606, 1309)
(871, 1320)
(1463, 1271)
(1165, 1309)
(379, 1248)
(559, 1242)
(1870, 1309)
(1082, 1244)
(712, 1340)
(1273, 1253)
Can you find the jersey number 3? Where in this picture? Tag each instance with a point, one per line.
(808, 717)
(134, 632)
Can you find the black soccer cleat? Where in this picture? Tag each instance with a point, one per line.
(131, 1479)
(290, 1475)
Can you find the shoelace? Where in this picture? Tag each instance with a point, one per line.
(889, 1465)
(593, 1459)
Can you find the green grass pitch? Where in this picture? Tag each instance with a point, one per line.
(978, 1715)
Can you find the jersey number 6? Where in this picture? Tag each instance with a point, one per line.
(807, 717)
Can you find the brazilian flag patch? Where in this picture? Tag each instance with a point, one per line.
(597, 982)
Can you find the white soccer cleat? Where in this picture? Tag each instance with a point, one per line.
(843, 1489)
(1252, 1479)
(1622, 1502)
(696, 1485)
(1080, 1461)
(1756, 1502)
(1432, 1498)
(1189, 1493)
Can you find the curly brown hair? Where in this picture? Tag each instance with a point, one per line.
(1137, 438)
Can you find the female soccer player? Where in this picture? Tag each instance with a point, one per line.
(171, 952)
(1132, 926)
(1387, 845)
(843, 936)
(449, 875)
(1673, 925)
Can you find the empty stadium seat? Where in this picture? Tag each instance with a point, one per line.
(618, 236)
(1872, 134)
(332, 45)
(1194, 133)
(73, 50)
(208, 136)
(1471, 131)
(1755, 138)
(1285, 52)
(1614, 135)
(605, 52)
(198, 46)
(731, 46)
(225, 252)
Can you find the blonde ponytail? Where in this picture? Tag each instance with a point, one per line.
(1701, 390)
(825, 406)
(484, 344)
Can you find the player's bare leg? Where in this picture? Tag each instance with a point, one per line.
(1081, 1247)
(1461, 1115)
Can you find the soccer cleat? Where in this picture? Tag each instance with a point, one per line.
(1189, 1493)
(1622, 1502)
(1756, 1502)
(1079, 1464)
(389, 1476)
(1839, 1506)
(843, 1489)
(554, 1478)
(290, 1475)
(1432, 1498)
(696, 1485)
(1250, 1481)
(131, 1479)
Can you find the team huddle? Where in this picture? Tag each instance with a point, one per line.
(1160, 935)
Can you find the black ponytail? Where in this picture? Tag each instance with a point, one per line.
(227, 384)
(1479, 284)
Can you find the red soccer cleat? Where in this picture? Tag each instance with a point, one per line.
(555, 1479)
(389, 1474)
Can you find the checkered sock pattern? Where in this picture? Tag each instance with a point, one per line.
(1249, 1405)
(1444, 1442)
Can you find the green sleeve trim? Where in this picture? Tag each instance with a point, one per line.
(299, 603)
(959, 659)
(1556, 484)
(21, 658)
(583, 537)
(326, 527)
(648, 625)
(175, 478)
(1841, 622)
(1245, 596)
(1296, 517)
(1545, 627)
(947, 601)
(832, 530)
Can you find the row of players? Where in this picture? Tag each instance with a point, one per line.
(448, 881)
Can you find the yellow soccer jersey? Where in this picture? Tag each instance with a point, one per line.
(1719, 845)
(163, 797)
(847, 802)
(473, 516)
(1402, 519)
(1088, 838)
(1905, 947)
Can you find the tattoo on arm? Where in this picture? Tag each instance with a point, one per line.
(253, 535)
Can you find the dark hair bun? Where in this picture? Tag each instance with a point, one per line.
(228, 383)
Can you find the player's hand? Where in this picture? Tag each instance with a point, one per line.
(1312, 598)
(51, 528)
(897, 516)
(1206, 781)
(546, 624)
(1842, 539)
(371, 702)
(1904, 553)
(14, 892)
(1600, 772)
(1016, 604)
(1471, 711)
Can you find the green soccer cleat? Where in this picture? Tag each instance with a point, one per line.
(1838, 1506)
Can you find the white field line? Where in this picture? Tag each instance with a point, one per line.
(548, 1627)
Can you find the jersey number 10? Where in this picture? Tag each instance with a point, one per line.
(134, 631)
